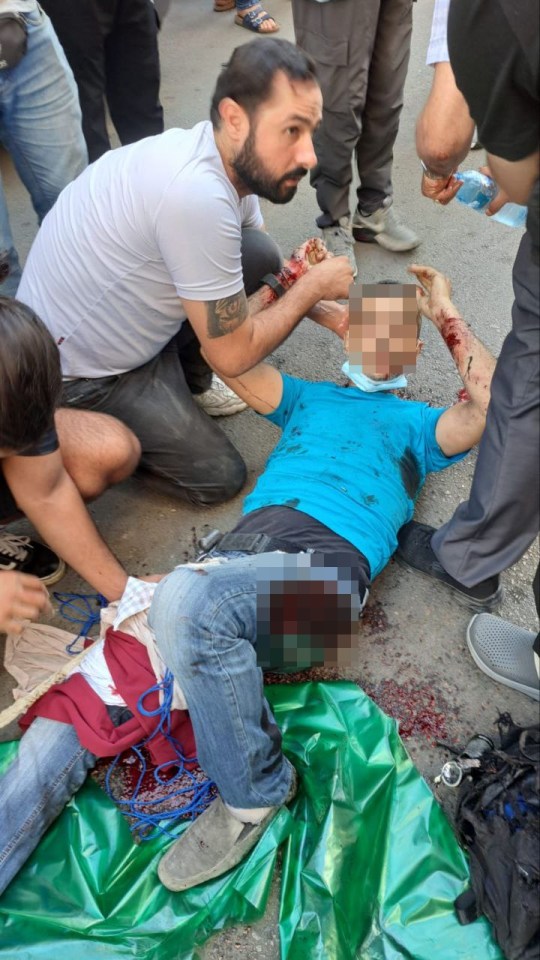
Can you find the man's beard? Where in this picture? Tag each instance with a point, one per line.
(250, 171)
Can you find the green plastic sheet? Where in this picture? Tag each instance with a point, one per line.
(371, 866)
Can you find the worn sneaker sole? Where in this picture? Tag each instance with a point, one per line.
(532, 692)
(55, 576)
(362, 235)
(490, 603)
(217, 411)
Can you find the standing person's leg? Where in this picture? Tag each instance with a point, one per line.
(82, 38)
(374, 220)
(49, 768)
(133, 71)
(40, 123)
(257, 20)
(325, 31)
(493, 529)
(10, 268)
(384, 101)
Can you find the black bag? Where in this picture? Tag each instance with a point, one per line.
(13, 40)
(498, 822)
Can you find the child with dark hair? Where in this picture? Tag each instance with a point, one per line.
(46, 471)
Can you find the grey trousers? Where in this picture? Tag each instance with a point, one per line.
(493, 529)
(183, 450)
(361, 49)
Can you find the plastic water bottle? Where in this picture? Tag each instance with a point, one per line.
(478, 191)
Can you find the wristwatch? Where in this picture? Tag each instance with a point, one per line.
(435, 176)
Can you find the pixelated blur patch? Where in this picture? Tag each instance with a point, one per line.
(307, 611)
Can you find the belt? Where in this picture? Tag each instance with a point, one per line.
(247, 543)
(254, 543)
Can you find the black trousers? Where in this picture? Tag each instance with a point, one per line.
(112, 48)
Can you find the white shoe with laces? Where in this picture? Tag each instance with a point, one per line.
(384, 227)
(219, 400)
(23, 555)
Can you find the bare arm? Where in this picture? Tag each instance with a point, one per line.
(515, 177)
(461, 426)
(45, 492)
(261, 387)
(236, 334)
(444, 132)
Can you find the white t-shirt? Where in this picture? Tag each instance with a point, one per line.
(18, 6)
(141, 227)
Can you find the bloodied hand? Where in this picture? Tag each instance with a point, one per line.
(434, 290)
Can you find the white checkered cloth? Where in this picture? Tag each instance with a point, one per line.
(438, 46)
(137, 596)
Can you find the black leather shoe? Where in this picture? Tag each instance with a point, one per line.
(416, 553)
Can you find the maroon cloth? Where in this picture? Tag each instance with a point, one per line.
(73, 701)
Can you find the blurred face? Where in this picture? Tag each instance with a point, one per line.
(278, 150)
(383, 329)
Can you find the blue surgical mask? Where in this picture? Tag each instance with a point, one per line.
(368, 385)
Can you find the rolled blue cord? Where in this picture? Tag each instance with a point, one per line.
(149, 819)
(85, 609)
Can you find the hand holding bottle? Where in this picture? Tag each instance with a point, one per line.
(480, 192)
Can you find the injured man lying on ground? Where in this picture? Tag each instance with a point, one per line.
(284, 589)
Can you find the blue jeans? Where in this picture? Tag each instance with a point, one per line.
(40, 126)
(49, 768)
(208, 624)
(205, 624)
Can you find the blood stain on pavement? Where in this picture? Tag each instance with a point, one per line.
(419, 712)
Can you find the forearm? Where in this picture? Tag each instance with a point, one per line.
(65, 524)
(332, 315)
(474, 362)
(444, 129)
(270, 321)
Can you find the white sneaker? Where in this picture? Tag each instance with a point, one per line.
(383, 227)
(339, 241)
(219, 400)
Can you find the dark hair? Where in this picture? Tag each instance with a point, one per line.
(248, 76)
(30, 377)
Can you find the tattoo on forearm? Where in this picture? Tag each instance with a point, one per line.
(226, 315)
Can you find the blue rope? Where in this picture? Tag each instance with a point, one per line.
(148, 818)
(82, 608)
(85, 609)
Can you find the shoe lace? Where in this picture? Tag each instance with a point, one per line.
(14, 547)
(218, 387)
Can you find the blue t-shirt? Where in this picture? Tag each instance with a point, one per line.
(354, 461)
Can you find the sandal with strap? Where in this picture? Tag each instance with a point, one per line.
(222, 6)
(253, 19)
